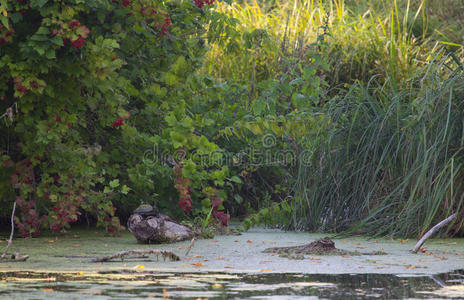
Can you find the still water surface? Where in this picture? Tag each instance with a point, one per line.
(138, 285)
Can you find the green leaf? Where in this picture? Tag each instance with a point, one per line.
(114, 183)
(38, 3)
(125, 189)
(236, 179)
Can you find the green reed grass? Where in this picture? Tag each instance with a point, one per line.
(392, 163)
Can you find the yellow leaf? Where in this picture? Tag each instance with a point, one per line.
(198, 264)
(139, 267)
(47, 290)
(5, 13)
(216, 286)
(265, 270)
(79, 272)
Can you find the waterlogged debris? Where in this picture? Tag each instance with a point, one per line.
(138, 252)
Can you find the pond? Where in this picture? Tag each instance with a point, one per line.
(135, 285)
(231, 267)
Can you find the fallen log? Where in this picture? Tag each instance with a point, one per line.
(138, 252)
(432, 231)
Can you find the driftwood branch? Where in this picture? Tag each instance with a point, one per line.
(11, 234)
(432, 231)
(139, 252)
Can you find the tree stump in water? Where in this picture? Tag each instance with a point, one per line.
(157, 229)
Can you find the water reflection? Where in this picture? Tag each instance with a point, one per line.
(229, 286)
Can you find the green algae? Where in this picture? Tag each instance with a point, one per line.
(234, 254)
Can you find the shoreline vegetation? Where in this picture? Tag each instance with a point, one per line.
(332, 116)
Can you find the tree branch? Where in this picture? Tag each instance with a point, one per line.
(12, 232)
(432, 231)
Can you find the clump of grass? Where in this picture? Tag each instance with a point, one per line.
(392, 163)
(366, 39)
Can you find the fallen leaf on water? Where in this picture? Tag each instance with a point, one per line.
(356, 243)
(410, 267)
(249, 241)
(198, 264)
(214, 241)
(219, 258)
(51, 241)
(48, 290)
(228, 267)
(216, 286)
(151, 295)
(404, 241)
(314, 258)
(197, 256)
(345, 256)
(187, 258)
(76, 245)
(264, 261)
(127, 287)
(139, 267)
(428, 253)
(205, 259)
(361, 247)
(264, 270)
(236, 241)
(79, 272)
(180, 247)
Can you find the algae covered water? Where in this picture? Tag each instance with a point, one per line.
(138, 285)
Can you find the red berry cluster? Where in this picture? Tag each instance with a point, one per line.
(215, 203)
(201, 3)
(6, 35)
(66, 211)
(126, 3)
(119, 121)
(181, 184)
(164, 26)
(30, 221)
(161, 20)
(78, 30)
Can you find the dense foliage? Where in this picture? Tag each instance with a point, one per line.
(90, 89)
(324, 116)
